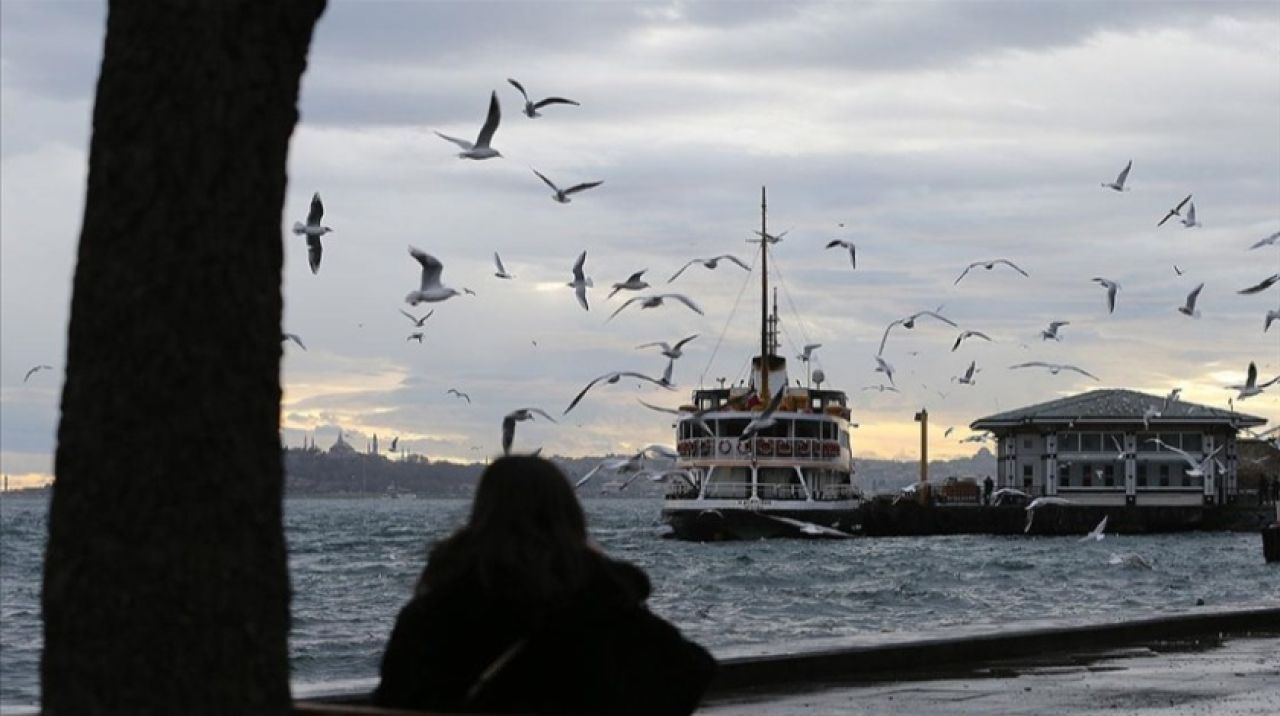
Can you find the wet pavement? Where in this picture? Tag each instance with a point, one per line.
(1218, 677)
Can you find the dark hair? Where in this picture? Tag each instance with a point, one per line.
(526, 540)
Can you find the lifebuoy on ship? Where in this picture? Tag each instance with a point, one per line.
(725, 447)
(743, 448)
(765, 447)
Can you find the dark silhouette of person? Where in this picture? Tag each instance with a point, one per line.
(517, 612)
(987, 487)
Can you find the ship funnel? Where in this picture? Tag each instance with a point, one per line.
(777, 366)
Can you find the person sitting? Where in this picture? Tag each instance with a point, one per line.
(518, 612)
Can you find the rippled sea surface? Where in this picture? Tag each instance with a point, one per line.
(353, 563)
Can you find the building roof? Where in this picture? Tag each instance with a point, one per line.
(1115, 406)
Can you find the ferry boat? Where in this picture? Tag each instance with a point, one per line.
(793, 478)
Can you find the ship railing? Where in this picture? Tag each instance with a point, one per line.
(769, 491)
(679, 490)
(759, 449)
(731, 490)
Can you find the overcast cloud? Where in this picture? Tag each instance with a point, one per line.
(937, 133)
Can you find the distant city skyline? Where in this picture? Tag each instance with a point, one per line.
(931, 135)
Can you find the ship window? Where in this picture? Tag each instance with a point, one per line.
(731, 428)
(828, 431)
(806, 428)
(779, 429)
(1192, 442)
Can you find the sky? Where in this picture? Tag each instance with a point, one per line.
(930, 134)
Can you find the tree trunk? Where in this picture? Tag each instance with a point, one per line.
(165, 585)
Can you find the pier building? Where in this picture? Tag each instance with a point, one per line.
(1100, 448)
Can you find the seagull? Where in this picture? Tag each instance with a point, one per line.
(881, 388)
(853, 250)
(481, 149)
(655, 301)
(614, 377)
(1190, 220)
(468, 291)
(1268, 241)
(1054, 368)
(460, 394)
(634, 463)
(680, 415)
(1171, 398)
(502, 270)
(581, 282)
(417, 321)
(1052, 331)
(1175, 211)
(809, 529)
(1147, 414)
(1259, 288)
(509, 425)
(947, 433)
(1111, 287)
(967, 378)
(767, 237)
(1177, 270)
(633, 283)
(710, 263)
(292, 337)
(1197, 466)
(672, 352)
(418, 336)
(37, 369)
(1097, 533)
(882, 366)
(562, 195)
(1251, 386)
(1119, 446)
(394, 441)
(807, 353)
(1118, 184)
(430, 290)
(910, 322)
(1041, 502)
(1189, 308)
(313, 231)
(988, 265)
(531, 108)
(763, 420)
(969, 334)
(1271, 316)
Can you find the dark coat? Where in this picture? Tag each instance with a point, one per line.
(600, 651)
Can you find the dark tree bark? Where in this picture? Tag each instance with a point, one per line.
(165, 583)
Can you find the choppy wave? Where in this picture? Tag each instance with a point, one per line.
(353, 564)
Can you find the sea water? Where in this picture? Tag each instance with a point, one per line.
(353, 563)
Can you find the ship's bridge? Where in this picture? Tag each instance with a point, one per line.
(811, 427)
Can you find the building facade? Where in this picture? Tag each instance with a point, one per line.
(1100, 448)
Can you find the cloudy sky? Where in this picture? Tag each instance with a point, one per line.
(931, 134)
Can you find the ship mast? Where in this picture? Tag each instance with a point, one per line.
(765, 395)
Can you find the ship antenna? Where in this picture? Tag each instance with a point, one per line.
(765, 395)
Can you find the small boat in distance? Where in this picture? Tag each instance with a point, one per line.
(791, 478)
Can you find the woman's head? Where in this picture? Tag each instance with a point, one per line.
(526, 539)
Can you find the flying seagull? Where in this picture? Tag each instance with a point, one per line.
(881, 388)
(632, 464)
(853, 250)
(460, 394)
(1041, 502)
(502, 270)
(910, 322)
(767, 237)
(807, 353)
(1251, 386)
(509, 425)
(416, 336)
(1118, 184)
(581, 282)
(1051, 333)
(562, 195)
(394, 442)
(988, 265)
(313, 231)
(430, 290)
(670, 351)
(882, 366)
(1097, 533)
(763, 420)
(1190, 220)
(1111, 287)
(1170, 399)
(967, 378)
(292, 337)
(531, 108)
(1268, 241)
(947, 433)
(710, 263)
(1265, 284)
(634, 282)
(1189, 308)
(1197, 467)
(657, 300)
(1271, 316)
(1054, 368)
(616, 376)
(968, 334)
(481, 148)
(35, 370)
(1175, 211)
(1177, 270)
(417, 321)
